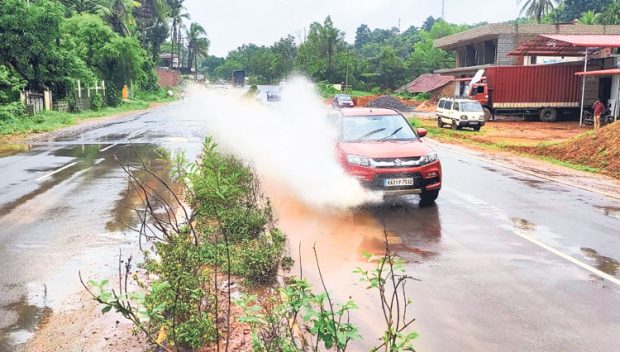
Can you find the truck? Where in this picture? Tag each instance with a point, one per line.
(238, 78)
(545, 91)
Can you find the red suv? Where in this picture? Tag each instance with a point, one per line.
(379, 147)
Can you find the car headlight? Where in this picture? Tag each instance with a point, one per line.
(481, 118)
(429, 158)
(464, 118)
(358, 160)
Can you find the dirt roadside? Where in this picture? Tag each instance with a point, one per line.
(83, 327)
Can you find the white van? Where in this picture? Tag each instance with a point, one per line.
(459, 113)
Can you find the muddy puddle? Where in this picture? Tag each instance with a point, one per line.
(9, 149)
(342, 237)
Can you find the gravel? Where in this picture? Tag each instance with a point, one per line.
(389, 102)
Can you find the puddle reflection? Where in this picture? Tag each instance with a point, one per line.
(603, 263)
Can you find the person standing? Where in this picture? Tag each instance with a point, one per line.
(599, 109)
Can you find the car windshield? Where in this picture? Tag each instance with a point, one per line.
(344, 98)
(471, 106)
(375, 128)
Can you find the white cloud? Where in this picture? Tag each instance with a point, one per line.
(231, 23)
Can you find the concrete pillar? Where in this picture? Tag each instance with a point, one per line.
(47, 100)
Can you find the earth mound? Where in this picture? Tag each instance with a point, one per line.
(598, 149)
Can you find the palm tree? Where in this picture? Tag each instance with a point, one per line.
(118, 14)
(197, 45)
(536, 9)
(84, 6)
(176, 16)
(589, 18)
(611, 15)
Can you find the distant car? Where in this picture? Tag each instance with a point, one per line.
(380, 149)
(343, 101)
(273, 96)
(459, 113)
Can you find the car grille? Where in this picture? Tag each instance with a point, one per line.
(396, 163)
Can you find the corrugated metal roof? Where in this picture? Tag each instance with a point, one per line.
(587, 41)
(427, 83)
(610, 72)
(566, 45)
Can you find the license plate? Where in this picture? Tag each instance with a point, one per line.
(474, 122)
(396, 182)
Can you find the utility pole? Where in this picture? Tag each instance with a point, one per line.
(443, 10)
(346, 76)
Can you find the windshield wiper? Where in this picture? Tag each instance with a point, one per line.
(369, 134)
(392, 135)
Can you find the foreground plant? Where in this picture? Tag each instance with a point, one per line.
(190, 255)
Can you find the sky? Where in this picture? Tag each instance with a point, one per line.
(231, 23)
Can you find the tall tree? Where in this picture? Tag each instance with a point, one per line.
(362, 36)
(611, 15)
(323, 41)
(85, 6)
(589, 18)
(570, 10)
(536, 9)
(197, 45)
(177, 14)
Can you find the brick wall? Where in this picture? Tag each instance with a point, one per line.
(167, 78)
(445, 91)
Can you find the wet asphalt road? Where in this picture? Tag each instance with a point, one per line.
(493, 256)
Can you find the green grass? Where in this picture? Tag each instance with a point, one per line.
(359, 93)
(568, 164)
(53, 120)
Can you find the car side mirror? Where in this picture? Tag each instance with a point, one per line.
(422, 132)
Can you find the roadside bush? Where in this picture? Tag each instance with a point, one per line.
(11, 111)
(96, 102)
(113, 96)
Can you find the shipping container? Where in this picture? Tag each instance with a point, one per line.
(542, 90)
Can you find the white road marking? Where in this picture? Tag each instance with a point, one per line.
(565, 256)
(498, 213)
(56, 171)
(108, 147)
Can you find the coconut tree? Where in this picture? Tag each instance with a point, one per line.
(589, 18)
(118, 14)
(197, 44)
(611, 15)
(176, 16)
(84, 6)
(536, 9)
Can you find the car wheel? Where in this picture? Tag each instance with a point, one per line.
(428, 197)
(439, 123)
(548, 115)
(477, 128)
(455, 126)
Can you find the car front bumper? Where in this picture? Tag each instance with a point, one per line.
(426, 178)
(471, 123)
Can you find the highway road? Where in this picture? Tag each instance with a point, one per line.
(506, 261)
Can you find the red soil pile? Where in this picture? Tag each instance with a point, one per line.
(362, 101)
(598, 149)
(427, 106)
